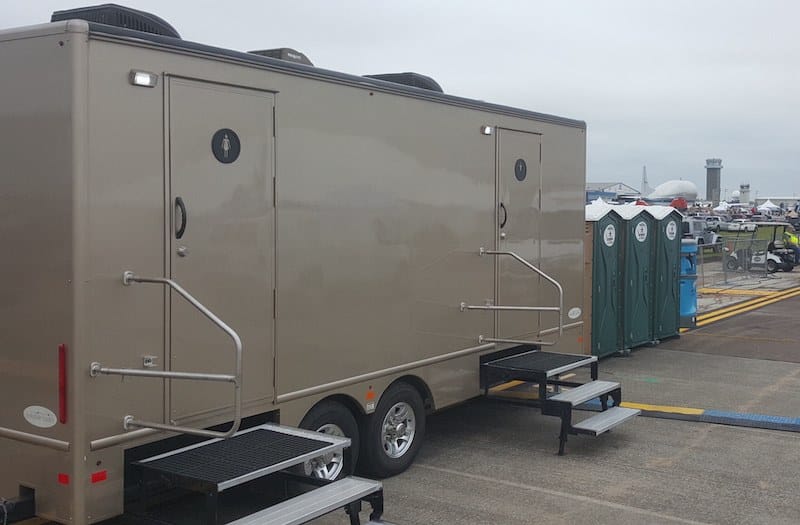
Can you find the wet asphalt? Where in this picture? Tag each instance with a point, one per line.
(488, 462)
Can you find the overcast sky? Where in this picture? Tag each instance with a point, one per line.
(664, 84)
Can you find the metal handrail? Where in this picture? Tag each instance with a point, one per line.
(559, 308)
(129, 421)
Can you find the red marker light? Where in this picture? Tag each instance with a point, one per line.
(99, 476)
(63, 479)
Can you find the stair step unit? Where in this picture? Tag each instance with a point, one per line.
(214, 466)
(605, 421)
(544, 369)
(316, 503)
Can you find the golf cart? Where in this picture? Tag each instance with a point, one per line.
(776, 246)
(745, 254)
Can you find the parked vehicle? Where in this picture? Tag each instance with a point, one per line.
(199, 240)
(778, 248)
(775, 257)
(694, 228)
(744, 225)
(713, 222)
(730, 226)
(749, 259)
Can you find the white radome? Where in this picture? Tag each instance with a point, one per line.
(672, 189)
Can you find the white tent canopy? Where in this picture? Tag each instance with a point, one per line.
(768, 206)
(723, 206)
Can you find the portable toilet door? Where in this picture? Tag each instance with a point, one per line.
(666, 276)
(606, 280)
(637, 288)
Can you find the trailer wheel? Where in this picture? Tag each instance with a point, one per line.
(393, 434)
(731, 264)
(331, 417)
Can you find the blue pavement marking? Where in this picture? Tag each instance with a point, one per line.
(719, 417)
(791, 424)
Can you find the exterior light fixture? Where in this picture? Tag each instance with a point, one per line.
(143, 78)
(486, 130)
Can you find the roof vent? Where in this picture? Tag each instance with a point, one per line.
(410, 79)
(118, 16)
(285, 53)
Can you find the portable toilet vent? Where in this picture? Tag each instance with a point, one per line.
(118, 16)
(285, 53)
(410, 79)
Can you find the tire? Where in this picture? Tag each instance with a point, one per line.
(393, 434)
(331, 417)
(772, 266)
(731, 264)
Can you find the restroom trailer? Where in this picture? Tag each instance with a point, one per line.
(202, 244)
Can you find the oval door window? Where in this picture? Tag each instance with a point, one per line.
(520, 170)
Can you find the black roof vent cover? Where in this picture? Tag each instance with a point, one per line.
(118, 16)
(410, 79)
(285, 53)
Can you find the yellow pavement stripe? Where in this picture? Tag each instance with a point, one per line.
(736, 306)
(744, 304)
(748, 308)
(505, 386)
(785, 340)
(664, 408)
(729, 291)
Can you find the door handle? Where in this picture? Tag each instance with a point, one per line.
(505, 215)
(180, 206)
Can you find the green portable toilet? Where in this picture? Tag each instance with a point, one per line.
(637, 272)
(666, 270)
(606, 312)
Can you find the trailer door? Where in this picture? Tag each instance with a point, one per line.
(220, 162)
(518, 213)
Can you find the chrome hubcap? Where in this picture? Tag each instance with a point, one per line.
(330, 465)
(399, 427)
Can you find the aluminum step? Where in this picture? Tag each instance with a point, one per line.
(219, 464)
(585, 392)
(313, 504)
(605, 420)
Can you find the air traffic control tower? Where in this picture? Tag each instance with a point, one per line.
(713, 176)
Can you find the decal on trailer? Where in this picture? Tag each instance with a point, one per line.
(40, 416)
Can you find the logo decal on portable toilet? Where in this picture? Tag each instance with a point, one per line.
(641, 231)
(672, 230)
(610, 235)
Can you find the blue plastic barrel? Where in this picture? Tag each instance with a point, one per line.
(688, 283)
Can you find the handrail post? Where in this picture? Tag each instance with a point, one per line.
(95, 369)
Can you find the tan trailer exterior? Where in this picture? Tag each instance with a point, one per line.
(340, 244)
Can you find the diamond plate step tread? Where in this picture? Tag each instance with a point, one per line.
(248, 455)
(548, 363)
(313, 504)
(585, 392)
(605, 420)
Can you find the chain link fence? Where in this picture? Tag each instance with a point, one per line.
(731, 260)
